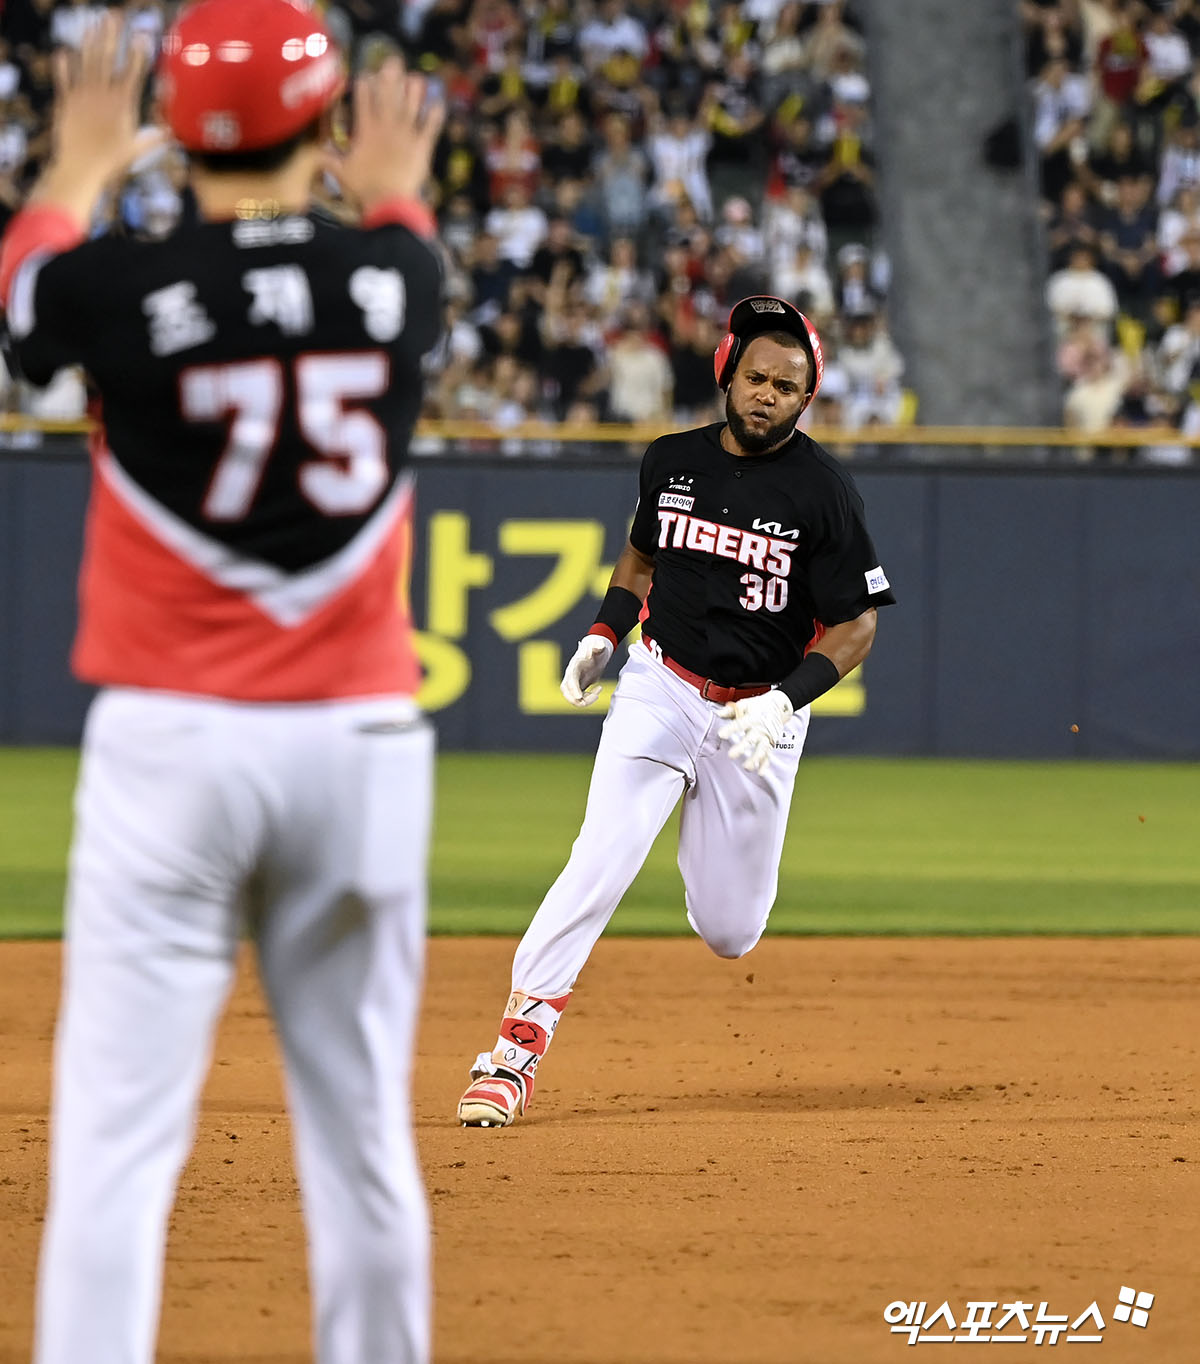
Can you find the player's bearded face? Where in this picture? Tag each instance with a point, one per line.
(752, 434)
(766, 396)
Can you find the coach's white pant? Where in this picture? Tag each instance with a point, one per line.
(660, 742)
(195, 819)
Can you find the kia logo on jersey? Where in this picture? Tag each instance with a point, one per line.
(775, 528)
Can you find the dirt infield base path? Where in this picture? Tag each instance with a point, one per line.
(727, 1161)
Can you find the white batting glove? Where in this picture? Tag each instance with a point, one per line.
(755, 726)
(580, 684)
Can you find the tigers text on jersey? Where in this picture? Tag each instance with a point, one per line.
(260, 379)
(753, 554)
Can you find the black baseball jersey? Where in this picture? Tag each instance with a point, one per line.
(260, 378)
(754, 555)
(250, 520)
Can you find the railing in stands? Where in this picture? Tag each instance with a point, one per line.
(434, 438)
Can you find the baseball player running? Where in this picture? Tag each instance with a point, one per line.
(756, 583)
(254, 761)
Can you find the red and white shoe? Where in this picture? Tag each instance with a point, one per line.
(495, 1095)
(502, 1079)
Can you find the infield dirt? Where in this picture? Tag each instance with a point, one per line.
(726, 1161)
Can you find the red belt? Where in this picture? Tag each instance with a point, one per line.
(710, 690)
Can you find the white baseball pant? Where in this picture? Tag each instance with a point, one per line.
(197, 820)
(659, 742)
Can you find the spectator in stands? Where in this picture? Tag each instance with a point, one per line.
(513, 158)
(491, 277)
(514, 393)
(519, 227)
(805, 282)
(611, 285)
(847, 184)
(491, 26)
(798, 160)
(622, 177)
(695, 399)
(1180, 166)
(830, 36)
(17, 136)
(1129, 246)
(854, 291)
(1168, 57)
(1073, 224)
(640, 383)
(1178, 354)
(459, 166)
(736, 119)
(613, 29)
(566, 91)
(70, 21)
(1062, 102)
(567, 153)
(678, 146)
(791, 222)
(1117, 157)
(558, 258)
(1120, 56)
(1080, 290)
(873, 368)
(513, 332)
(737, 229)
(581, 208)
(459, 226)
(1094, 399)
(785, 60)
(10, 74)
(1180, 219)
(553, 33)
(1184, 285)
(64, 398)
(572, 356)
(505, 89)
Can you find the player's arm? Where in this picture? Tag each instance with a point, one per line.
(618, 614)
(840, 650)
(95, 138)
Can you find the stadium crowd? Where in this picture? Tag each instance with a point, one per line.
(612, 176)
(1116, 122)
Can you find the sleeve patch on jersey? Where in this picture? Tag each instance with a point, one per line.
(876, 580)
(676, 500)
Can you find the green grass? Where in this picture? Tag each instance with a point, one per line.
(875, 846)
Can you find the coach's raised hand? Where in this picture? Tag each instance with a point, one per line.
(396, 127)
(96, 130)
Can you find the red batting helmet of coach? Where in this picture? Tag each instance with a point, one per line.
(240, 75)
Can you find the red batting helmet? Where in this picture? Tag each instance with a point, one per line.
(763, 313)
(239, 75)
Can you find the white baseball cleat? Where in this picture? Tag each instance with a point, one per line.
(494, 1097)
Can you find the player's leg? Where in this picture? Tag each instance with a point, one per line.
(341, 939)
(731, 833)
(655, 727)
(161, 842)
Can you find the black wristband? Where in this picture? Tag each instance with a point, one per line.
(618, 614)
(811, 679)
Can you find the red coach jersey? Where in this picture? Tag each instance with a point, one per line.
(259, 381)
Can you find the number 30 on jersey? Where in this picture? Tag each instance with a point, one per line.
(771, 593)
